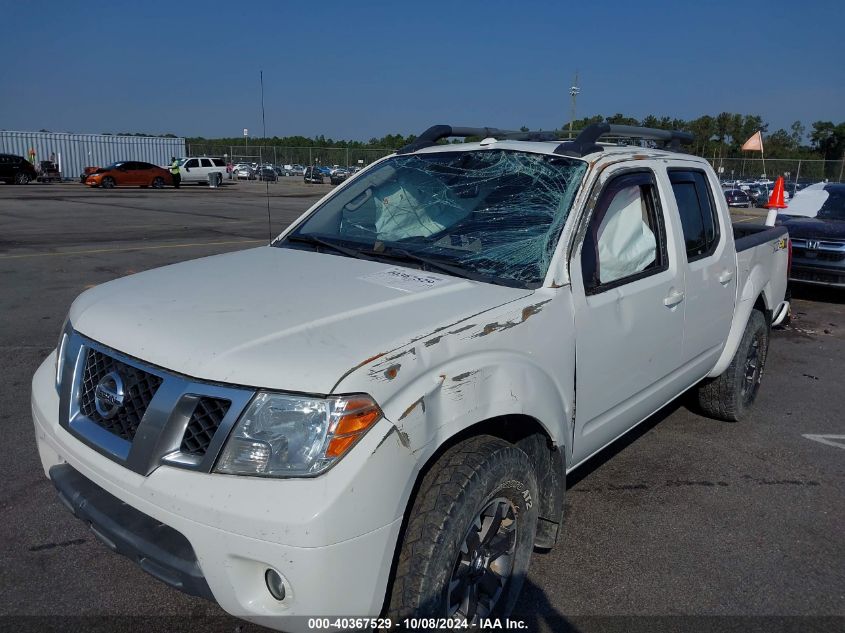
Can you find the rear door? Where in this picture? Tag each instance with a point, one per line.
(628, 291)
(132, 174)
(711, 266)
(206, 167)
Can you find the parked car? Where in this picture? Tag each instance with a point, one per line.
(16, 169)
(48, 171)
(313, 175)
(378, 410)
(326, 171)
(197, 170)
(268, 173)
(245, 172)
(129, 173)
(815, 219)
(737, 198)
(338, 176)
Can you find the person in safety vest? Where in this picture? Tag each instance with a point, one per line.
(174, 171)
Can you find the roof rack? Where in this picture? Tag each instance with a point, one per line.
(585, 143)
(438, 132)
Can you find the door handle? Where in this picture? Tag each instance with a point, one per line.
(673, 299)
(726, 276)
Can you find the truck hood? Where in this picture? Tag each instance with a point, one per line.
(819, 228)
(276, 318)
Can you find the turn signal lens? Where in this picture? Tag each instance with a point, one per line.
(355, 415)
(357, 421)
(339, 445)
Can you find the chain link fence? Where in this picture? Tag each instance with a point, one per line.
(792, 169)
(282, 155)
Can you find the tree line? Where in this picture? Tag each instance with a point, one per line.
(715, 136)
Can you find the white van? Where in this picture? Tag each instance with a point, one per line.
(198, 169)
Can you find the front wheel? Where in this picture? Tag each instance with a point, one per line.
(21, 179)
(108, 183)
(730, 395)
(469, 537)
(158, 182)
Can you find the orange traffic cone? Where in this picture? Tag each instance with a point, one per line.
(775, 202)
(776, 199)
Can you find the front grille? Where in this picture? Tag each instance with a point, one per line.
(824, 256)
(206, 418)
(139, 388)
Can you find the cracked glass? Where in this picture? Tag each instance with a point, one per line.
(492, 215)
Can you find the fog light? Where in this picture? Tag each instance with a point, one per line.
(275, 584)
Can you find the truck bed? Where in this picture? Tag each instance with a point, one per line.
(748, 235)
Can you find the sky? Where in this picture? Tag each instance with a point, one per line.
(359, 69)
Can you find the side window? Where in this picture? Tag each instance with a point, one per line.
(626, 239)
(206, 162)
(218, 162)
(192, 163)
(697, 211)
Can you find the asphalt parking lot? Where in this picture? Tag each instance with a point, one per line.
(684, 517)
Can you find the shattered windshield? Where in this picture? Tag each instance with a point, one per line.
(492, 215)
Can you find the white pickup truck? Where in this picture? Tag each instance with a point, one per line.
(375, 415)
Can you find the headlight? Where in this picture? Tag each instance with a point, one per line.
(283, 435)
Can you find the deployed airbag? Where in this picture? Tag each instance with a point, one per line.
(414, 206)
(626, 243)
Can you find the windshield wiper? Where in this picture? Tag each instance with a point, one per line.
(317, 241)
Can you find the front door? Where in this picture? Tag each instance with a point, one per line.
(628, 290)
(191, 170)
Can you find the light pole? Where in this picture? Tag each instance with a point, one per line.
(573, 92)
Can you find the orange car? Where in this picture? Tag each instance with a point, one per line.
(130, 173)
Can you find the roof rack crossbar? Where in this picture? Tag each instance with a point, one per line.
(585, 143)
(438, 132)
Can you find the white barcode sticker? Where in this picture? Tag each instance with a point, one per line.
(405, 279)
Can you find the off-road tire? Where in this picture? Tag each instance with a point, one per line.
(730, 396)
(468, 478)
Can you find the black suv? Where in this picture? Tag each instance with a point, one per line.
(313, 174)
(16, 169)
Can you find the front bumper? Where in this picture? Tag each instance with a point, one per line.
(331, 538)
(819, 275)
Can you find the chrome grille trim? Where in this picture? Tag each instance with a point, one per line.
(159, 435)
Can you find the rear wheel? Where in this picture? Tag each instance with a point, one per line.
(469, 536)
(107, 183)
(730, 395)
(22, 178)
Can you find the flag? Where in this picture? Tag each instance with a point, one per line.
(754, 144)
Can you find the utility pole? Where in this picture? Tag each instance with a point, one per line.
(573, 92)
